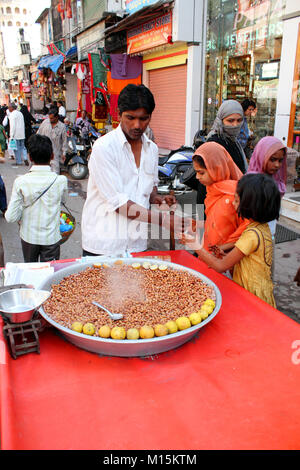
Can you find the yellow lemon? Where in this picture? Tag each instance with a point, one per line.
(153, 267)
(146, 265)
(146, 332)
(183, 323)
(195, 318)
(88, 329)
(161, 330)
(104, 331)
(118, 332)
(118, 262)
(136, 265)
(77, 326)
(163, 267)
(204, 314)
(172, 326)
(207, 308)
(132, 333)
(210, 302)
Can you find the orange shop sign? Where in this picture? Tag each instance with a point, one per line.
(154, 33)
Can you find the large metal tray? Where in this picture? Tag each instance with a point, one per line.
(128, 348)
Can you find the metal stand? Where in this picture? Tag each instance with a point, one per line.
(22, 337)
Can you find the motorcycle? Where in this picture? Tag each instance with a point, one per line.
(76, 160)
(173, 168)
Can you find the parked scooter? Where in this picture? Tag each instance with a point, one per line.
(173, 167)
(76, 160)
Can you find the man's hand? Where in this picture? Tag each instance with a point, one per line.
(63, 158)
(190, 239)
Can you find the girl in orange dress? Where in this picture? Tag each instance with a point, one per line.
(216, 170)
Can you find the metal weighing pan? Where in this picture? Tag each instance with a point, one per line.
(128, 348)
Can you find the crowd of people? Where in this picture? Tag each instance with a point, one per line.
(241, 196)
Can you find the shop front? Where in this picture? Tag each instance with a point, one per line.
(243, 55)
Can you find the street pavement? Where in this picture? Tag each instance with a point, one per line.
(287, 254)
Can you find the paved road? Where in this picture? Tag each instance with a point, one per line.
(287, 255)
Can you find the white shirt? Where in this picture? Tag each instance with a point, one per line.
(62, 111)
(40, 222)
(115, 179)
(16, 125)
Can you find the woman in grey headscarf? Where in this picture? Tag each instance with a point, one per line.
(226, 129)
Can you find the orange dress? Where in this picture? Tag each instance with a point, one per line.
(222, 225)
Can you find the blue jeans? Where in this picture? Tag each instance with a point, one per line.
(20, 153)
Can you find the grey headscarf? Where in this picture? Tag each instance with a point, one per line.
(227, 107)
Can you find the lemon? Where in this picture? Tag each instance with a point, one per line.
(146, 332)
(172, 326)
(104, 265)
(118, 262)
(153, 267)
(88, 329)
(163, 267)
(104, 331)
(204, 314)
(97, 265)
(132, 333)
(118, 332)
(146, 265)
(210, 302)
(183, 323)
(77, 326)
(195, 318)
(161, 330)
(207, 308)
(136, 265)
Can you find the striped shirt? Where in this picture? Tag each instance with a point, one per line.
(39, 222)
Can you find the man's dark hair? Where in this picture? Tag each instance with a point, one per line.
(133, 97)
(40, 149)
(53, 110)
(259, 198)
(247, 103)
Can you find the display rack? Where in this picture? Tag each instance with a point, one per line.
(238, 78)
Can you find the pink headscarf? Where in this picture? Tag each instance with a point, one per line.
(263, 150)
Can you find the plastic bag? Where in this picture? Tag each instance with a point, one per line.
(12, 145)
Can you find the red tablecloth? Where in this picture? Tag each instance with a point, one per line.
(236, 386)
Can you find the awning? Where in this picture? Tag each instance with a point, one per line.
(71, 52)
(52, 62)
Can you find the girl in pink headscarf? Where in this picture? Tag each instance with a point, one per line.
(269, 156)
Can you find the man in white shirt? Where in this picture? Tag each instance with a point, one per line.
(123, 178)
(36, 202)
(17, 132)
(61, 111)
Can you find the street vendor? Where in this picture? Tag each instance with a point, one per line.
(123, 178)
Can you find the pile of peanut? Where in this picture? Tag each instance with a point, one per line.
(146, 295)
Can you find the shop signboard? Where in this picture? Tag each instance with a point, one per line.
(135, 5)
(90, 41)
(153, 33)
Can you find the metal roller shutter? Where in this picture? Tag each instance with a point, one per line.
(168, 86)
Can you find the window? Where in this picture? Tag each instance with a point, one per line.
(24, 11)
(9, 23)
(17, 10)
(18, 23)
(8, 10)
(25, 24)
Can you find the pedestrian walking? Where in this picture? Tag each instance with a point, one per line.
(3, 145)
(17, 134)
(28, 120)
(53, 128)
(36, 202)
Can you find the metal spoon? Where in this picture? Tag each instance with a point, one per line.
(113, 316)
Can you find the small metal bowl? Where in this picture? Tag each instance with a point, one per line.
(19, 305)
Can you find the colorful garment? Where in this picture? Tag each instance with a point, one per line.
(263, 150)
(222, 225)
(253, 272)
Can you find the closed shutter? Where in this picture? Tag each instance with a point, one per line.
(168, 86)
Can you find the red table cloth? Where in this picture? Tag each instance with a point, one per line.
(236, 385)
